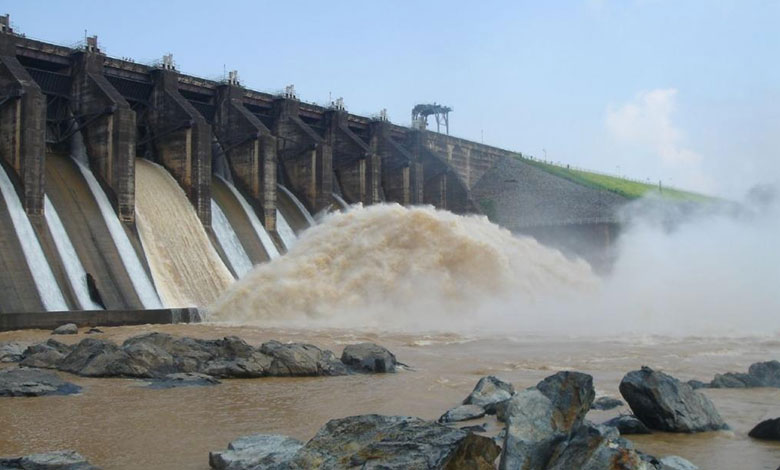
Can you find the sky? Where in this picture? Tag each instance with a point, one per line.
(680, 91)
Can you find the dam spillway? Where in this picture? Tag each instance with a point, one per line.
(286, 160)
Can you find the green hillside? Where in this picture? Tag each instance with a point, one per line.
(624, 187)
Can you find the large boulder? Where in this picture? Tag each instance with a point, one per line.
(45, 355)
(33, 383)
(592, 447)
(768, 429)
(12, 351)
(57, 460)
(539, 418)
(664, 403)
(627, 424)
(759, 374)
(462, 413)
(66, 329)
(297, 359)
(368, 357)
(255, 452)
(489, 392)
(394, 443)
(94, 357)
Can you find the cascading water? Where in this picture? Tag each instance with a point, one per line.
(229, 241)
(298, 204)
(262, 234)
(70, 259)
(45, 283)
(386, 265)
(141, 283)
(186, 268)
(340, 201)
(285, 232)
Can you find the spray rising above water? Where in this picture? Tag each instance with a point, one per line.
(386, 265)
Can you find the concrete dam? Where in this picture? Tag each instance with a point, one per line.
(129, 187)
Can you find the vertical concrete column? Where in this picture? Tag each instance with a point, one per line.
(396, 163)
(109, 130)
(358, 167)
(250, 150)
(436, 190)
(307, 159)
(417, 183)
(182, 141)
(22, 125)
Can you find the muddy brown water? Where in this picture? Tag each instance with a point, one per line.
(119, 424)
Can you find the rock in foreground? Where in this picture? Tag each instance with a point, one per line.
(627, 424)
(365, 442)
(462, 413)
(592, 447)
(156, 355)
(368, 357)
(33, 383)
(11, 351)
(664, 403)
(673, 462)
(489, 392)
(540, 417)
(768, 429)
(258, 451)
(58, 460)
(606, 403)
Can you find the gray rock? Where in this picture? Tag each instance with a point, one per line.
(368, 357)
(489, 392)
(606, 403)
(94, 331)
(156, 355)
(45, 355)
(297, 359)
(541, 417)
(33, 383)
(697, 384)
(57, 460)
(475, 428)
(258, 451)
(462, 413)
(394, 443)
(759, 374)
(627, 424)
(664, 403)
(673, 462)
(768, 429)
(66, 329)
(184, 379)
(592, 447)
(12, 351)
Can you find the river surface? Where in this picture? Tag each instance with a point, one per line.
(119, 424)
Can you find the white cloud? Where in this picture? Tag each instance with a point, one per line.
(646, 127)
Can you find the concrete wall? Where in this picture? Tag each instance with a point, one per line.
(357, 168)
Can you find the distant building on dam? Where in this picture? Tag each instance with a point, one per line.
(253, 166)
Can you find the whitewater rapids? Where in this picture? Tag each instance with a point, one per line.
(387, 265)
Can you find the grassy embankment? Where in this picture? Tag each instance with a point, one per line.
(627, 188)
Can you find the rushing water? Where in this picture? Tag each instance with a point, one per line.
(45, 283)
(70, 259)
(298, 204)
(186, 268)
(383, 264)
(284, 230)
(229, 241)
(120, 425)
(262, 234)
(141, 283)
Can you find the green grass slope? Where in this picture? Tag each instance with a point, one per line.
(624, 187)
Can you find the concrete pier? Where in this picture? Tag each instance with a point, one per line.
(51, 320)
(182, 140)
(356, 166)
(109, 129)
(22, 125)
(250, 150)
